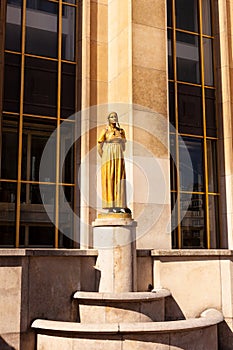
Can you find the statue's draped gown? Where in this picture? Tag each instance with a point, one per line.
(113, 168)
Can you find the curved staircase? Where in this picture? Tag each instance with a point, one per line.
(125, 321)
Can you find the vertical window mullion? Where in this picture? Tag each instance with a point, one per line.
(56, 243)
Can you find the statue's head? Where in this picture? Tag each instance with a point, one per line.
(114, 116)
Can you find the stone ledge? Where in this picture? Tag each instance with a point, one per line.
(208, 318)
(47, 252)
(191, 252)
(122, 297)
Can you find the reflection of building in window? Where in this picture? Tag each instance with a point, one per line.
(193, 115)
(39, 93)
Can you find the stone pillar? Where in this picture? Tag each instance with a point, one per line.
(150, 118)
(115, 240)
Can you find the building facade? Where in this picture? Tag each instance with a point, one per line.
(166, 68)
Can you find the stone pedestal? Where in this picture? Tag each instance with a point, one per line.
(114, 236)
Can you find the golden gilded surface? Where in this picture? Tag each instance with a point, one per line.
(114, 216)
(111, 145)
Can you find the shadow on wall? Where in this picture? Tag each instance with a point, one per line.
(225, 337)
(4, 345)
(172, 310)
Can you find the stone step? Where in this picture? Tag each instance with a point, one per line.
(196, 333)
(97, 307)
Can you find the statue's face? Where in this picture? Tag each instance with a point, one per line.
(113, 118)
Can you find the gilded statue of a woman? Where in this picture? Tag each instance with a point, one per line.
(111, 145)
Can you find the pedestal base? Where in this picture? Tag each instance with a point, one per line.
(116, 260)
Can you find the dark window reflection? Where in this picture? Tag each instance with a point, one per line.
(7, 192)
(41, 28)
(187, 15)
(40, 236)
(68, 33)
(9, 155)
(36, 133)
(66, 239)
(40, 87)
(190, 110)
(174, 220)
(11, 82)
(67, 152)
(13, 25)
(66, 215)
(193, 221)
(214, 221)
(37, 147)
(37, 194)
(206, 15)
(188, 62)
(170, 55)
(173, 161)
(7, 213)
(212, 165)
(191, 164)
(208, 62)
(169, 13)
(7, 236)
(211, 127)
(172, 118)
(34, 198)
(68, 90)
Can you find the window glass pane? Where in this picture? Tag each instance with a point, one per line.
(190, 110)
(11, 82)
(41, 28)
(9, 157)
(42, 194)
(212, 165)
(174, 220)
(172, 118)
(7, 213)
(206, 17)
(8, 193)
(36, 134)
(214, 222)
(7, 236)
(34, 198)
(170, 55)
(68, 33)
(208, 61)
(66, 240)
(211, 128)
(173, 161)
(68, 90)
(193, 222)
(187, 14)
(169, 13)
(40, 93)
(41, 236)
(195, 149)
(13, 25)
(67, 152)
(187, 49)
(66, 215)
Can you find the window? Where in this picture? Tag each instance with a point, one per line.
(40, 93)
(193, 117)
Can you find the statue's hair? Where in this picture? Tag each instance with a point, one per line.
(117, 123)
